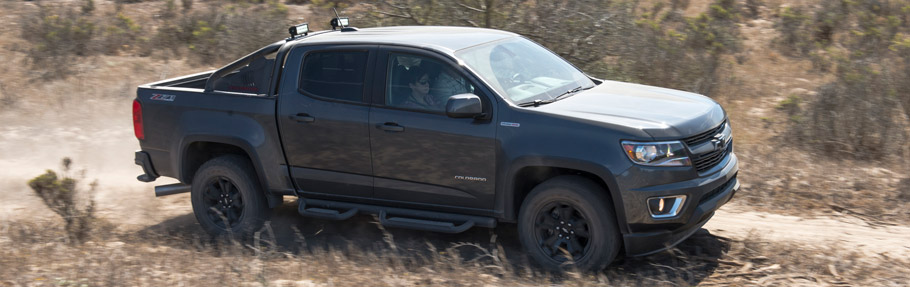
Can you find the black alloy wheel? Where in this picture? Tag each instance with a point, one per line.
(562, 232)
(227, 197)
(223, 202)
(568, 222)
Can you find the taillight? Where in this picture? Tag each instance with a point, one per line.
(137, 120)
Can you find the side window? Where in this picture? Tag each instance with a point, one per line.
(336, 75)
(254, 78)
(422, 83)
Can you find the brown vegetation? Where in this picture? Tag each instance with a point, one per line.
(34, 254)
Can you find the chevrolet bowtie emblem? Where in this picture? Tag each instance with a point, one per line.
(719, 141)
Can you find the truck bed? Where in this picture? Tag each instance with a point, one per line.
(180, 117)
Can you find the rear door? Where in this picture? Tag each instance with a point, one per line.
(323, 116)
(419, 154)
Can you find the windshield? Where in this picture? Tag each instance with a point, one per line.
(523, 71)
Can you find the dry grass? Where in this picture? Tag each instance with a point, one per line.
(795, 183)
(34, 254)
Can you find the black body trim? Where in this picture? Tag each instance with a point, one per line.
(395, 217)
(148, 172)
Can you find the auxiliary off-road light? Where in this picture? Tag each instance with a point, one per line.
(339, 22)
(666, 206)
(301, 29)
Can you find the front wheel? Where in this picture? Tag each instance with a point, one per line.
(227, 197)
(569, 220)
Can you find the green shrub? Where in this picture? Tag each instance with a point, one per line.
(793, 28)
(61, 196)
(790, 105)
(121, 33)
(57, 35)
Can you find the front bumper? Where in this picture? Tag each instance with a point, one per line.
(647, 235)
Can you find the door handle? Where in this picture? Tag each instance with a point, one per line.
(390, 127)
(303, 118)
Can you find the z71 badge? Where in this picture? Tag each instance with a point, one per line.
(160, 97)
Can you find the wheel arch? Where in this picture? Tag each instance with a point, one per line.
(518, 186)
(195, 150)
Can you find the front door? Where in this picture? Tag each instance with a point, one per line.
(419, 154)
(323, 116)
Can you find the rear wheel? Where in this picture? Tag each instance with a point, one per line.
(569, 220)
(227, 197)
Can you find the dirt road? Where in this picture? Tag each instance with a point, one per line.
(840, 231)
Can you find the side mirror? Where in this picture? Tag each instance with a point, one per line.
(464, 106)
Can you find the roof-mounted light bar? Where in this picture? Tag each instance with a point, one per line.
(301, 29)
(340, 22)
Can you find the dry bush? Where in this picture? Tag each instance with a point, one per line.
(863, 113)
(794, 38)
(609, 39)
(802, 31)
(342, 4)
(221, 35)
(670, 50)
(88, 7)
(903, 190)
(788, 179)
(7, 99)
(119, 33)
(859, 116)
(752, 8)
(61, 195)
(169, 10)
(58, 35)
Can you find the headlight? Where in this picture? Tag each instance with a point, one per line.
(657, 153)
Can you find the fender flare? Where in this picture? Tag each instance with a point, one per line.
(505, 201)
(241, 143)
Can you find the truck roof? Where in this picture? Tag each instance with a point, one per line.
(441, 38)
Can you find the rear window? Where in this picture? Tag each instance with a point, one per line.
(335, 75)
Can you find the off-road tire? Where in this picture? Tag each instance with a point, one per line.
(591, 211)
(246, 191)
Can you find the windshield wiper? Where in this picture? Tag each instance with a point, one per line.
(536, 103)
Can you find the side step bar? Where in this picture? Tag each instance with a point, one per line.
(324, 213)
(394, 217)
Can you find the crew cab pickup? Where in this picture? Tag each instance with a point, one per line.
(440, 129)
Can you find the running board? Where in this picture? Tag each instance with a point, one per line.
(324, 213)
(394, 217)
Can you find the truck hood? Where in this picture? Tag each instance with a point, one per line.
(659, 112)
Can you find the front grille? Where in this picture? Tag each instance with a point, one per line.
(716, 191)
(706, 161)
(704, 136)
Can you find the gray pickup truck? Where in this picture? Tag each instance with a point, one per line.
(440, 129)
